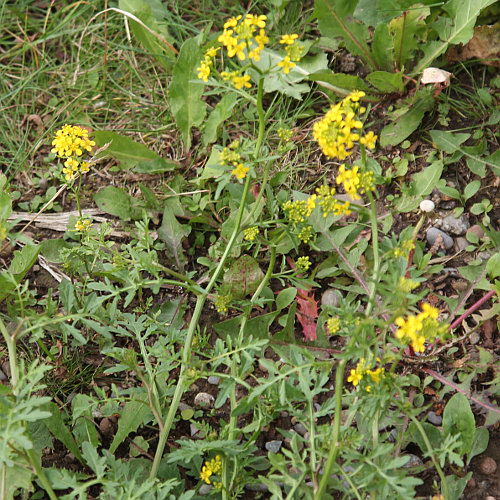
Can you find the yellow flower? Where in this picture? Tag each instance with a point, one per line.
(83, 225)
(240, 171)
(203, 71)
(71, 140)
(350, 180)
(369, 140)
(303, 263)
(286, 64)
(356, 95)
(251, 233)
(222, 302)
(333, 325)
(237, 50)
(288, 39)
(242, 81)
(306, 234)
(259, 21)
(232, 22)
(212, 468)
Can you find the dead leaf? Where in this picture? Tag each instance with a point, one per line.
(307, 313)
(436, 76)
(484, 45)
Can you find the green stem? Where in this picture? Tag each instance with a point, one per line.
(40, 475)
(200, 301)
(429, 449)
(376, 256)
(334, 445)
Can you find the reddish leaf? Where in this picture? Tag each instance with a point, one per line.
(307, 313)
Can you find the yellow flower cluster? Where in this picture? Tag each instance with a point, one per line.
(207, 63)
(417, 329)
(285, 134)
(329, 204)
(297, 211)
(306, 234)
(222, 302)
(406, 285)
(251, 233)
(353, 180)
(83, 225)
(230, 155)
(361, 372)
(70, 142)
(404, 249)
(337, 131)
(303, 264)
(293, 50)
(212, 468)
(333, 325)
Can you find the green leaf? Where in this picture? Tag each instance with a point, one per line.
(471, 189)
(5, 206)
(424, 181)
(128, 152)
(93, 460)
(60, 430)
(456, 486)
(285, 297)
(258, 326)
(459, 419)
(134, 414)
(379, 12)
(84, 428)
(457, 27)
(154, 15)
(405, 124)
(156, 166)
(336, 19)
(405, 30)
(479, 444)
(114, 201)
(493, 265)
(243, 277)
(222, 111)
(186, 92)
(386, 82)
(51, 249)
(447, 141)
(340, 83)
(382, 46)
(172, 233)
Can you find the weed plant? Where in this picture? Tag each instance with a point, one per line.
(263, 236)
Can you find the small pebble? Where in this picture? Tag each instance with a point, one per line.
(106, 427)
(2, 376)
(474, 338)
(204, 400)
(184, 406)
(273, 446)
(205, 489)
(413, 462)
(213, 380)
(477, 230)
(483, 256)
(453, 225)
(330, 297)
(461, 243)
(300, 429)
(194, 430)
(488, 466)
(432, 234)
(434, 419)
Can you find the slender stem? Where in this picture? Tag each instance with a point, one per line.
(433, 458)
(376, 256)
(40, 475)
(200, 301)
(10, 340)
(334, 445)
(472, 308)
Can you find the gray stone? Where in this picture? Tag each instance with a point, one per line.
(434, 232)
(474, 338)
(453, 225)
(434, 419)
(330, 297)
(273, 446)
(205, 489)
(184, 406)
(213, 380)
(204, 400)
(483, 256)
(461, 243)
(2, 375)
(414, 461)
(300, 429)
